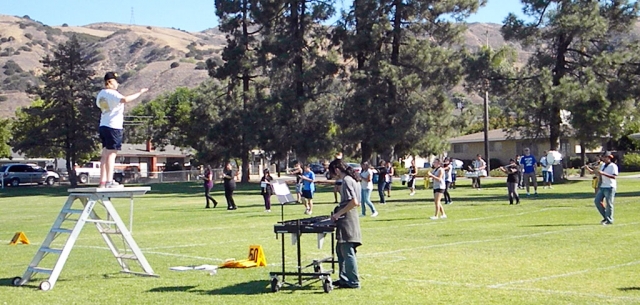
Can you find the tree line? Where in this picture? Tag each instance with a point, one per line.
(378, 82)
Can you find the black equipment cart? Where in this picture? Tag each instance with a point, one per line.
(318, 225)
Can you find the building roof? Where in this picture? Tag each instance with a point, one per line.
(494, 135)
(140, 150)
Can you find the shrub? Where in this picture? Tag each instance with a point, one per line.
(3, 98)
(575, 163)
(201, 65)
(25, 48)
(175, 65)
(494, 163)
(198, 57)
(28, 35)
(631, 161)
(148, 28)
(23, 25)
(64, 25)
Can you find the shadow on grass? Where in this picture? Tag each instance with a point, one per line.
(629, 289)
(6, 282)
(248, 288)
(561, 225)
(173, 289)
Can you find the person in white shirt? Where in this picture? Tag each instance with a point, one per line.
(607, 191)
(366, 182)
(439, 186)
(111, 103)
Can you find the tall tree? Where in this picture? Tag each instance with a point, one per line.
(64, 122)
(405, 66)
(573, 41)
(240, 68)
(301, 66)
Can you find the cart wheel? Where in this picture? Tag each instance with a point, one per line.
(16, 281)
(317, 268)
(327, 285)
(275, 286)
(45, 286)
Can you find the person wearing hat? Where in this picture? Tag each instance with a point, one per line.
(111, 103)
(512, 170)
(607, 190)
(266, 189)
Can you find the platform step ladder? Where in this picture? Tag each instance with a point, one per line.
(70, 222)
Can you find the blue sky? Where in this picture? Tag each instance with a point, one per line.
(190, 15)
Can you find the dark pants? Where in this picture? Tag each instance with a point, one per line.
(381, 192)
(476, 182)
(207, 194)
(348, 265)
(228, 194)
(267, 201)
(447, 197)
(512, 188)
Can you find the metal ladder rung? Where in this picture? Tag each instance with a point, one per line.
(61, 230)
(71, 211)
(50, 250)
(127, 256)
(107, 222)
(111, 231)
(40, 270)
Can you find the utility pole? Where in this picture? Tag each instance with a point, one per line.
(486, 113)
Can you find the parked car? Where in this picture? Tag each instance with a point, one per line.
(317, 168)
(92, 170)
(52, 177)
(15, 174)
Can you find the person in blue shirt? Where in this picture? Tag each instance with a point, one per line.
(308, 188)
(529, 163)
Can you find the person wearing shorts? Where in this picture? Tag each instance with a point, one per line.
(308, 188)
(389, 179)
(413, 172)
(297, 170)
(439, 187)
(111, 104)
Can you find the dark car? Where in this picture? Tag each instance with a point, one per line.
(317, 168)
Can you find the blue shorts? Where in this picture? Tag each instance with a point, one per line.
(307, 194)
(111, 138)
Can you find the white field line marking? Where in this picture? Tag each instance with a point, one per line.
(483, 241)
(476, 286)
(544, 278)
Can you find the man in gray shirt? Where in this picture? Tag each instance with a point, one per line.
(347, 221)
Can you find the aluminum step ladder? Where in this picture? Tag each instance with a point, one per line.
(111, 226)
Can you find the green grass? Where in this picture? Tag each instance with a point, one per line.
(548, 250)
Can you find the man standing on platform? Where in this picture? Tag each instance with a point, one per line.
(111, 103)
(348, 225)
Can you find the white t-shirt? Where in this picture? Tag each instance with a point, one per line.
(546, 165)
(109, 102)
(611, 169)
(364, 183)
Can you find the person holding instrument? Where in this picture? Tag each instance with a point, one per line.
(266, 189)
(512, 170)
(348, 235)
(438, 189)
(229, 178)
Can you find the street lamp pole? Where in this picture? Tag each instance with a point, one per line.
(486, 114)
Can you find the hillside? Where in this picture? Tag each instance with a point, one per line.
(141, 54)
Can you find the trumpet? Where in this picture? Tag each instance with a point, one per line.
(592, 165)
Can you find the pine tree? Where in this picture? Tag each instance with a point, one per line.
(573, 66)
(5, 137)
(65, 120)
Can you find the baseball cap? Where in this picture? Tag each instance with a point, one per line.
(110, 75)
(608, 154)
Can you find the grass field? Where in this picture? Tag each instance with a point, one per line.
(548, 250)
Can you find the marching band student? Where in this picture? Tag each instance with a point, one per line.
(348, 236)
(266, 189)
(208, 184)
(438, 189)
(389, 178)
(338, 183)
(297, 170)
(382, 182)
(366, 175)
(229, 179)
(448, 170)
(413, 172)
(512, 180)
(528, 162)
(607, 191)
(478, 166)
(308, 188)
